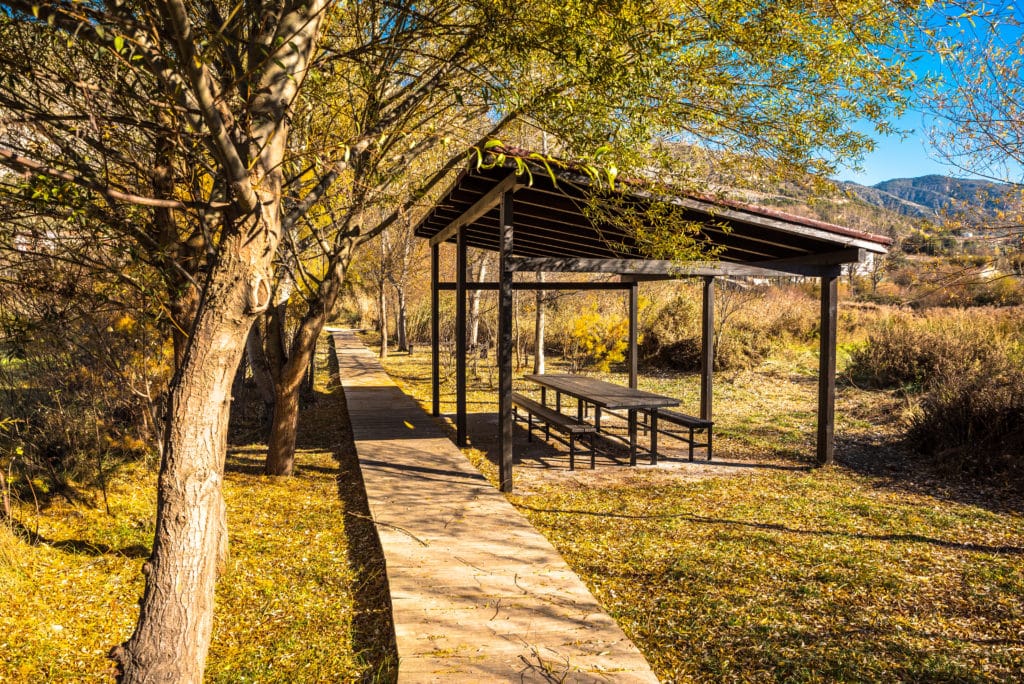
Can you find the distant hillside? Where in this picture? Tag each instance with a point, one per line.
(896, 207)
(928, 196)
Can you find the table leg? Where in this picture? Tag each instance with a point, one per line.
(654, 436)
(632, 437)
(558, 401)
(544, 396)
(597, 418)
(579, 410)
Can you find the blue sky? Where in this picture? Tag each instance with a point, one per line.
(973, 25)
(896, 156)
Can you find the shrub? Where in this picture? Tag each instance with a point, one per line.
(748, 324)
(81, 382)
(908, 351)
(672, 335)
(597, 341)
(743, 345)
(972, 419)
(899, 354)
(966, 369)
(787, 313)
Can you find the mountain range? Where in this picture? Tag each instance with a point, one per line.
(927, 197)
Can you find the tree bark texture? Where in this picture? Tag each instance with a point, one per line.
(172, 637)
(283, 430)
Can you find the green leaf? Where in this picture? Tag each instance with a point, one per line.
(545, 161)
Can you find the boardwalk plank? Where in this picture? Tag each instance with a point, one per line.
(478, 594)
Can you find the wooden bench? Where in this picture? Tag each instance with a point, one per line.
(553, 419)
(692, 424)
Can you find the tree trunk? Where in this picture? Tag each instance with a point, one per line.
(538, 330)
(172, 636)
(239, 392)
(261, 374)
(184, 306)
(401, 330)
(293, 371)
(306, 389)
(284, 430)
(474, 304)
(382, 305)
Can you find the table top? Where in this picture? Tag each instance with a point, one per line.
(602, 393)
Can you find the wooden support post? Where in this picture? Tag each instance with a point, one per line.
(827, 369)
(634, 305)
(435, 329)
(505, 346)
(707, 348)
(460, 340)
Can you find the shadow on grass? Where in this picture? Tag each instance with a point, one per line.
(896, 467)
(87, 548)
(776, 527)
(239, 461)
(324, 426)
(77, 547)
(613, 448)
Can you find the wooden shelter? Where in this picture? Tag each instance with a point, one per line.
(539, 225)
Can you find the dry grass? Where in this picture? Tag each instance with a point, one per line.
(869, 571)
(298, 602)
(818, 576)
(72, 595)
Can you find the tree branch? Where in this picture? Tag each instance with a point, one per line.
(16, 162)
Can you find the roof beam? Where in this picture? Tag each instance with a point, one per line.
(850, 255)
(642, 267)
(547, 285)
(479, 208)
(790, 227)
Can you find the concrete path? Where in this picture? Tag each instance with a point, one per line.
(478, 594)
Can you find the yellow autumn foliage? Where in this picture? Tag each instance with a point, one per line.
(600, 340)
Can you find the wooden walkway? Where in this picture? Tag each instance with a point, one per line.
(478, 594)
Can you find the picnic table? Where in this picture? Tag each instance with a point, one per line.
(606, 395)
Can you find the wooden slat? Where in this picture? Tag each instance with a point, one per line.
(601, 393)
(547, 285)
(791, 228)
(551, 416)
(481, 207)
(642, 267)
